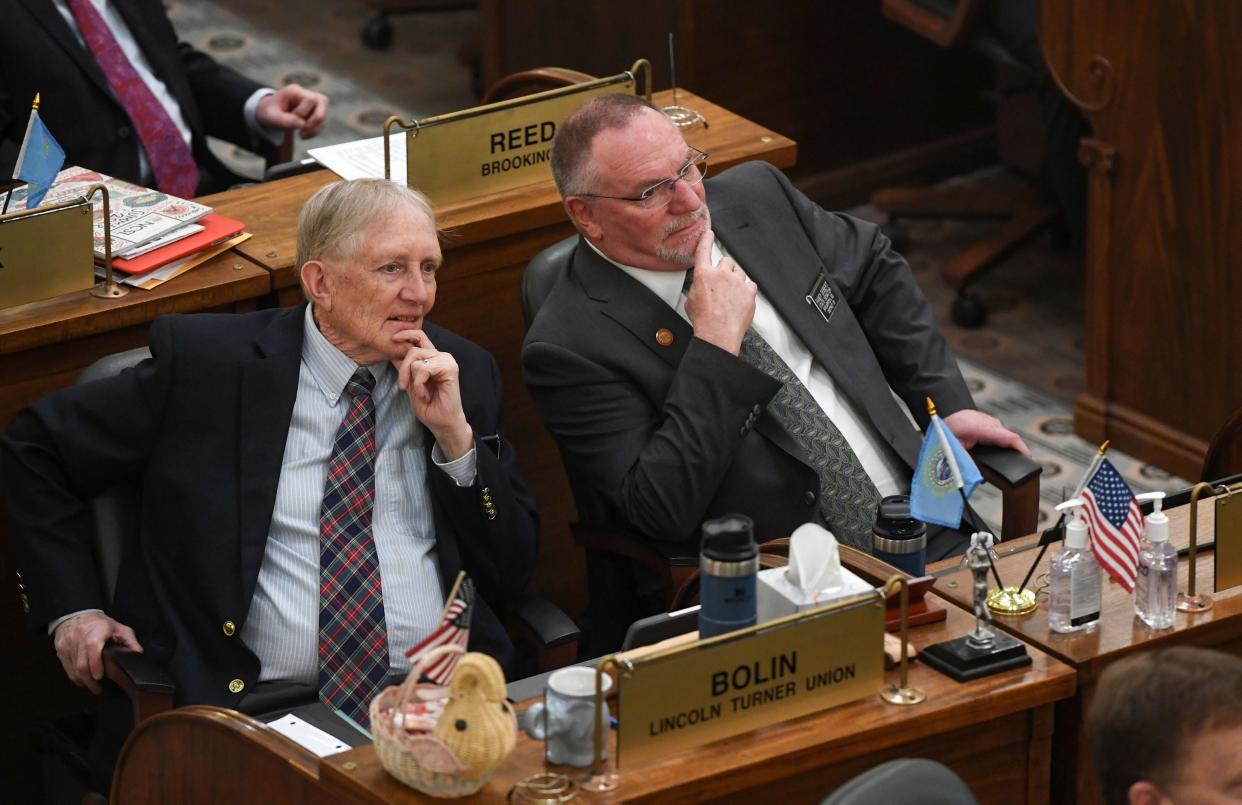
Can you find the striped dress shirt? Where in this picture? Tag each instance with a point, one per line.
(283, 625)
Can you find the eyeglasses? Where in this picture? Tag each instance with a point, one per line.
(661, 193)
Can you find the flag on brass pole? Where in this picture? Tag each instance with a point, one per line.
(39, 159)
(1115, 521)
(453, 629)
(944, 477)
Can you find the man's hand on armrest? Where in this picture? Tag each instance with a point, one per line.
(79, 646)
(973, 427)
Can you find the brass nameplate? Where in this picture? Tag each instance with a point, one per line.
(706, 692)
(496, 147)
(1228, 559)
(46, 252)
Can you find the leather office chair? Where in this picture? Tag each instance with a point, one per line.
(548, 630)
(528, 82)
(1224, 455)
(952, 24)
(608, 547)
(908, 781)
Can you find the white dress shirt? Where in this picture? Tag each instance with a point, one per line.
(888, 472)
(283, 625)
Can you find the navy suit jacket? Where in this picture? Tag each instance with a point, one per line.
(200, 429)
(39, 53)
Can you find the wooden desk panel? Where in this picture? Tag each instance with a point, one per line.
(995, 732)
(1119, 633)
(1162, 91)
(487, 244)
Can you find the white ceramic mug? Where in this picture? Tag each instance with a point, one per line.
(566, 717)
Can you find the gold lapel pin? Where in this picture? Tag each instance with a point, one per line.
(664, 337)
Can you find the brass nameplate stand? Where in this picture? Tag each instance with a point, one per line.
(46, 252)
(495, 147)
(686, 695)
(1228, 559)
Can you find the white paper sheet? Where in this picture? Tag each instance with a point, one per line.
(364, 159)
(308, 735)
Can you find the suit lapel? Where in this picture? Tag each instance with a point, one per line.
(775, 253)
(627, 302)
(269, 386)
(49, 17)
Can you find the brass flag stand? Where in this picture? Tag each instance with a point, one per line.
(107, 288)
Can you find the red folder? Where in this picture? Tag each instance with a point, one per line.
(216, 229)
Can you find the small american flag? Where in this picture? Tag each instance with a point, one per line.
(454, 629)
(1115, 521)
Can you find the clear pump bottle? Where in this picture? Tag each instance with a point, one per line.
(1155, 588)
(1074, 578)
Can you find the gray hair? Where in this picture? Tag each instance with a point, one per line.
(572, 145)
(333, 221)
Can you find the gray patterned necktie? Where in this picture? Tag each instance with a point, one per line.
(848, 497)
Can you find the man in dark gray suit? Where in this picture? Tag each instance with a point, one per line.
(649, 383)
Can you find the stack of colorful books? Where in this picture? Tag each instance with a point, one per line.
(155, 236)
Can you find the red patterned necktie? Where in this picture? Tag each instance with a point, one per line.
(170, 157)
(353, 639)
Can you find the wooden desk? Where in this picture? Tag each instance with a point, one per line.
(994, 732)
(1119, 633)
(487, 244)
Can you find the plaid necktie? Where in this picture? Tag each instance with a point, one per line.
(353, 639)
(848, 497)
(170, 157)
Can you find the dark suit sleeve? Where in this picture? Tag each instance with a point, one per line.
(495, 521)
(219, 93)
(891, 309)
(659, 467)
(57, 454)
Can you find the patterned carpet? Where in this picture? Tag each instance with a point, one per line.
(1025, 366)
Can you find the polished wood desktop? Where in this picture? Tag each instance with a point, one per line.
(994, 732)
(1119, 633)
(487, 243)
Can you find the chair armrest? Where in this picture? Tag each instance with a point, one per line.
(670, 561)
(1017, 478)
(545, 627)
(146, 683)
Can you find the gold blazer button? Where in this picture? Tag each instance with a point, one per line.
(230, 628)
(237, 686)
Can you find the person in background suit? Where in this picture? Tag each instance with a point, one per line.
(234, 432)
(662, 414)
(1165, 727)
(123, 96)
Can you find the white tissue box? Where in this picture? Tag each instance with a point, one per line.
(776, 597)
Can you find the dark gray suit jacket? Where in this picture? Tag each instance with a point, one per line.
(660, 438)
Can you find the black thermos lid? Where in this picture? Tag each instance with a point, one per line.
(893, 520)
(730, 538)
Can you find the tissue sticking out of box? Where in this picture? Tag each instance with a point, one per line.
(813, 578)
(814, 561)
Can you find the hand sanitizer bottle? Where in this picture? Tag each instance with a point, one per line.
(1074, 579)
(1156, 586)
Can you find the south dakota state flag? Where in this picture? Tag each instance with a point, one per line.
(944, 467)
(39, 159)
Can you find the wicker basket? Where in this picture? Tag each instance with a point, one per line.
(394, 745)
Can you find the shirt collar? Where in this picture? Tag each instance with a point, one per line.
(667, 285)
(664, 284)
(330, 368)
